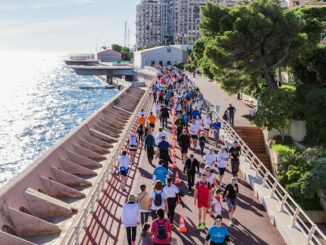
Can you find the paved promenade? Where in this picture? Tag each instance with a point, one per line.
(252, 225)
(214, 94)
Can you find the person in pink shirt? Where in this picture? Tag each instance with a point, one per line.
(161, 229)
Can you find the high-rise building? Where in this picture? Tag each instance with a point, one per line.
(160, 22)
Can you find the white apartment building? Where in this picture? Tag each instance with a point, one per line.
(161, 21)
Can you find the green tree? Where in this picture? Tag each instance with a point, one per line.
(276, 109)
(125, 53)
(312, 181)
(249, 42)
(116, 47)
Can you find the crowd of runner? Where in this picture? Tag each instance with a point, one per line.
(175, 98)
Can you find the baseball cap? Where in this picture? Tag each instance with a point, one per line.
(211, 148)
(222, 147)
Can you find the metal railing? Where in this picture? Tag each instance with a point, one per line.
(82, 223)
(287, 203)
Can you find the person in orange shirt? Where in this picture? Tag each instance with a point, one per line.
(152, 119)
(142, 120)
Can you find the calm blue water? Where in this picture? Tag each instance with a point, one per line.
(40, 102)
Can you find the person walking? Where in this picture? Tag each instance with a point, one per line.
(218, 233)
(210, 158)
(160, 173)
(201, 199)
(222, 157)
(130, 217)
(133, 143)
(152, 119)
(184, 143)
(193, 128)
(124, 162)
(164, 116)
(146, 236)
(149, 147)
(232, 111)
(161, 229)
(172, 193)
(190, 166)
(165, 152)
(217, 202)
(158, 199)
(230, 192)
(202, 142)
(216, 126)
(180, 123)
(143, 199)
(207, 125)
(157, 109)
(235, 153)
(158, 137)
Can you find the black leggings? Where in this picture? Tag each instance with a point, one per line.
(131, 234)
(172, 203)
(144, 217)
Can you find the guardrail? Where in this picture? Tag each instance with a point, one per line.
(287, 203)
(74, 238)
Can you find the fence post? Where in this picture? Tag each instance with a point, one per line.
(265, 178)
(310, 234)
(258, 168)
(76, 234)
(295, 216)
(283, 201)
(273, 189)
(85, 218)
(252, 162)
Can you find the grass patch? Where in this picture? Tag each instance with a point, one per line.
(283, 149)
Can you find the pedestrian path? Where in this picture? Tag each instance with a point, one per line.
(251, 227)
(215, 94)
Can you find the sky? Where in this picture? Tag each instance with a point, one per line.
(65, 26)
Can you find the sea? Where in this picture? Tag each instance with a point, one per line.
(41, 101)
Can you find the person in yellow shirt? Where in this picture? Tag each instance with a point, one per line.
(152, 119)
(142, 120)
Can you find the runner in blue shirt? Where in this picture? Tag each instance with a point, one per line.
(195, 113)
(216, 126)
(218, 233)
(160, 173)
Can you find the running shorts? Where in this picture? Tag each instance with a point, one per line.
(232, 203)
(221, 171)
(203, 203)
(194, 136)
(184, 150)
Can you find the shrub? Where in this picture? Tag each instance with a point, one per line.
(180, 66)
(287, 140)
(190, 67)
(311, 182)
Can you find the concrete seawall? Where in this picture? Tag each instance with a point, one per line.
(39, 205)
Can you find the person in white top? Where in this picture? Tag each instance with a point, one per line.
(222, 157)
(141, 113)
(158, 137)
(130, 217)
(193, 128)
(157, 109)
(133, 143)
(207, 125)
(124, 162)
(210, 158)
(158, 199)
(199, 123)
(172, 193)
(212, 180)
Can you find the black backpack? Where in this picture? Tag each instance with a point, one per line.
(158, 199)
(161, 232)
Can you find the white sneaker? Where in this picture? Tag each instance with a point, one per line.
(221, 184)
(230, 223)
(233, 216)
